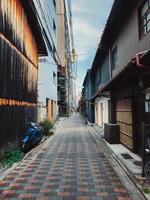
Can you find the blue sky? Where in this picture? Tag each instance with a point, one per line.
(89, 18)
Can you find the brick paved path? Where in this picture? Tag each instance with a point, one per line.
(67, 167)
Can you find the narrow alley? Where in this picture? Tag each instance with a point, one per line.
(68, 166)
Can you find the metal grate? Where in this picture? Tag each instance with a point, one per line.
(126, 156)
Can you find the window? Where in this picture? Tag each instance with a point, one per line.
(147, 106)
(54, 78)
(54, 2)
(114, 57)
(145, 18)
(54, 49)
(147, 100)
(54, 25)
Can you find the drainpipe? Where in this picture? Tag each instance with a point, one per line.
(110, 64)
(137, 58)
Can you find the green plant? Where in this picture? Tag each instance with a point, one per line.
(47, 125)
(11, 156)
(146, 190)
(64, 115)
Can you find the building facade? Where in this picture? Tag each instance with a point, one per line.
(125, 47)
(100, 76)
(87, 103)
(47, 73)
(21, 43)
(96, 104)
(129, 70)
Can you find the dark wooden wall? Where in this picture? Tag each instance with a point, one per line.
(128, 41)
(15, 27)
(18, 72)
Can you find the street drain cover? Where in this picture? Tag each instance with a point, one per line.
(138, 163)
(126, 156)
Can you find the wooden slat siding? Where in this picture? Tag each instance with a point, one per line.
(18, 76)
(128, 41)
(13, 124)
(18, 73)
(16, 28)
(124, 120)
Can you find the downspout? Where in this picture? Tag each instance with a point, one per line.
(137, 58)
(110, 64)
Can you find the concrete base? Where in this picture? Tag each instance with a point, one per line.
(118, 150)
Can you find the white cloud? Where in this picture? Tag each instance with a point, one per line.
(86, 37)
(76, 8)
(89, 18)
(87, 25)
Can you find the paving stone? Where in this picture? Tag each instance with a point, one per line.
(68, 166)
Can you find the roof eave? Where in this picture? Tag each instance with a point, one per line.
(30, 11)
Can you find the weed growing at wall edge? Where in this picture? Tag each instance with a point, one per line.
(11, 156)
(47, 125)
(146, 190)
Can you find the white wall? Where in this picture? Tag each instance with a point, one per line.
(41, 112)
(47, 86)
(101, 106)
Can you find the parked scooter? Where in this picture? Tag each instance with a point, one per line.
(32, 136)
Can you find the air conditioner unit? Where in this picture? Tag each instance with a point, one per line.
(112, 133)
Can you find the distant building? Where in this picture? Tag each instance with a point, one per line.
(100, 76)
(88, 105)
(47, 74)
(64, 47)
(21, 43)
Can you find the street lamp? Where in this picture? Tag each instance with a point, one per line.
(74, 55)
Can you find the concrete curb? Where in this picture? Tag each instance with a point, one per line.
(99, 140)
(6, 170)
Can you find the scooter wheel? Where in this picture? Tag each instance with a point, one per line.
(23, 145)
(26, 147)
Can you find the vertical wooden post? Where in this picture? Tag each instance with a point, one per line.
(143, 148)
(112, 110)
(110, 64)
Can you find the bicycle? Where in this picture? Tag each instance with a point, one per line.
(147, 154)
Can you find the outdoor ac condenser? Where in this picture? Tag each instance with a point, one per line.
(111, 133)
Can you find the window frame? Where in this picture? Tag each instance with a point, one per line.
(144, 22)
(114, 54)
(54, 25)
(147, 100)
(54, 77)
(54, 3)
